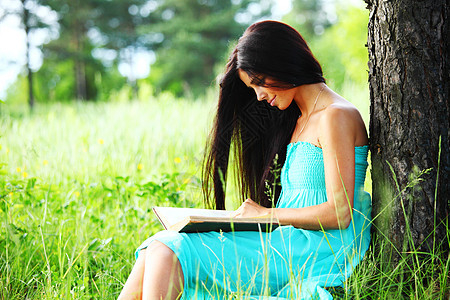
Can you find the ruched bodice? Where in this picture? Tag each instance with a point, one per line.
(303, 175)
(304, 168)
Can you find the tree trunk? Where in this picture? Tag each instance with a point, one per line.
(80, 79)
(409, 47)
(79, 63)
(30, 78)
(130, 54)
(80, 73)
(25, 21)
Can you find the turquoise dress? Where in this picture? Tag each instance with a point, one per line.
(288, 263)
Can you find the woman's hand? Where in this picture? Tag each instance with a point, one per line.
(251, 209)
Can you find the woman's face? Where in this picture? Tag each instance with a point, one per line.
(278, 97)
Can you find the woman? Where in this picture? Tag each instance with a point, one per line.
(320, 140)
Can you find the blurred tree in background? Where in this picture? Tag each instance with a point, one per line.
(192, 36)
(184, 42)
(115, 33)
(336, 32)
(342, 48)
(31, 20)
(310, 17)
(86, 28)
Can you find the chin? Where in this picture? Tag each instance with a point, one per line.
(281, 107)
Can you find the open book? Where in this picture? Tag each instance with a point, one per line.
(200, 220)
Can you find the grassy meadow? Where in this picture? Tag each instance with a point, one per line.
(77, 184)
(78, 180)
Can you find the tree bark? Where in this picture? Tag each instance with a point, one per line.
(408, 45)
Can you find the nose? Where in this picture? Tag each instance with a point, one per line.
(260, 93)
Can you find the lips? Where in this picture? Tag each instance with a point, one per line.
(272, 102)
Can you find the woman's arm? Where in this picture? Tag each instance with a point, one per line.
(338, 128)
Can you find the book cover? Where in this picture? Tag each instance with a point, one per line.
(201, 220)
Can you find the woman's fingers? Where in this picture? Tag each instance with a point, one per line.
(238, 212)
(249, 208)
(249, 201)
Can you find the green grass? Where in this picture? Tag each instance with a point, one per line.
(77, 182)
(76, 186)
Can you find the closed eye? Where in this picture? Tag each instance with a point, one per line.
(259, 81)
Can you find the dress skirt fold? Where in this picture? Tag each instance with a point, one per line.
(287, 263)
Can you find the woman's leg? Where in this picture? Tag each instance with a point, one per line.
(163, 276)
(156, 274)
(133, 287)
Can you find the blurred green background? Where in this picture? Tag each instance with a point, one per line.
(105, 108)
(116, 50)
(123, 97)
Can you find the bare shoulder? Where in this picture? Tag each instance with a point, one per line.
(341, 111)
(343, 120)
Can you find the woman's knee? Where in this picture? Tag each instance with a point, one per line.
(161, 260)
(158, 251)
(163, 275)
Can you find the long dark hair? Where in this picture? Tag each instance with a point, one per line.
(253, 130)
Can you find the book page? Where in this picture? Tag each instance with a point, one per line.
(173, 215)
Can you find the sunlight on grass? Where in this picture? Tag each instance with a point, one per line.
(77, 185)
(77, 182)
